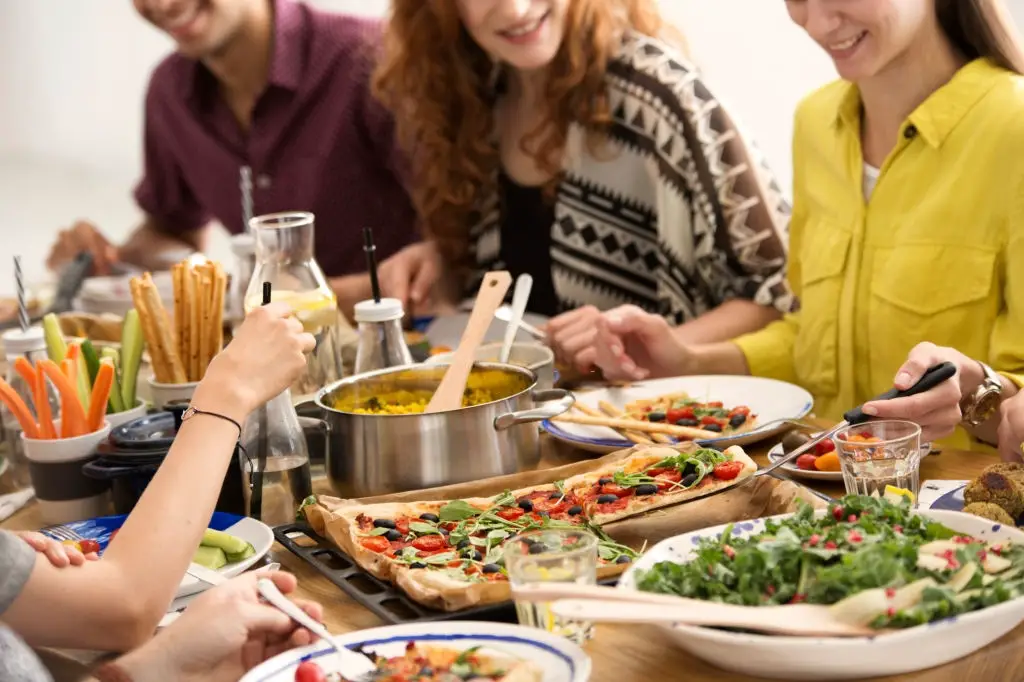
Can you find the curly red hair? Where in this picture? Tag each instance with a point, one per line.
(438, 83)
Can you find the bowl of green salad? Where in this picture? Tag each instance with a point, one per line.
(936, 585)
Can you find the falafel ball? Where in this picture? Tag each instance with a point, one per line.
(988, 510)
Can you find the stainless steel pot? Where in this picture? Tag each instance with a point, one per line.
(374, 454)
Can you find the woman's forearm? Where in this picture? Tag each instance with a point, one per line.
(729, 320)
(715, 358)
(115, 603)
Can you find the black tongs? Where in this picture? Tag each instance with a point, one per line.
(929, 380)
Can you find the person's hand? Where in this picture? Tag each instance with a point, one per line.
(266, 355)
(937, 411)
(83, 236)
(58, 554)
(572, 335)
(1011, 429)
(411, 275)
(222, 634)
(632, 345)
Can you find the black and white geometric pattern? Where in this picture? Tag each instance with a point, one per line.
(677, 215)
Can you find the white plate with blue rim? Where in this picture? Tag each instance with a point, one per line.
(560, 659)
(769, 399)
(830, 658)
(258, 534)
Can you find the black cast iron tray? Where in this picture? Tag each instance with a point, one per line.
(385, 600)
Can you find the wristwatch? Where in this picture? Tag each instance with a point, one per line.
(983, 403)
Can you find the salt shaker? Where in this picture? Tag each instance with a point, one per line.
(30, 344)
(381, 339)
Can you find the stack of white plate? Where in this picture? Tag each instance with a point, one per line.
(113, 294)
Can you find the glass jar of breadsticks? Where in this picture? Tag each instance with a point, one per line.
(284, 257)
(182, 342)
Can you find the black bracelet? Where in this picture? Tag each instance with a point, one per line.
(193, 410)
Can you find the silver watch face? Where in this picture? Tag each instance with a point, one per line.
(986, 407)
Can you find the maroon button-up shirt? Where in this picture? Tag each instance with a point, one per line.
(318, 142)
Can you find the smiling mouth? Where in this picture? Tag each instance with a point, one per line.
(525, 29)
(849, 43)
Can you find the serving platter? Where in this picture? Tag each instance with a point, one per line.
(769, 399)
(823, 658)
(557, 657)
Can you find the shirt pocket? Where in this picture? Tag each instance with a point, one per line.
(823, 256)
(926, 292)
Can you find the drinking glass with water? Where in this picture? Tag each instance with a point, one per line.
(877, 454)
(547, 556)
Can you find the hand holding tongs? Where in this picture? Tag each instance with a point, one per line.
(932, 378)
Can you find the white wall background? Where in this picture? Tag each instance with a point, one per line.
(75, 72)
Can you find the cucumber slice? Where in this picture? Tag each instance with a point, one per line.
(243, 555)
(229, 543)
(210, 557)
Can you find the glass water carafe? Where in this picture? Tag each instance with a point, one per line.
(284, 257)
(276, 460)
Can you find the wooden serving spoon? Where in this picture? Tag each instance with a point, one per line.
(612, 605)
(448, 395)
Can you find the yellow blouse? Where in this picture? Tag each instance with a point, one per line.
(936, 254)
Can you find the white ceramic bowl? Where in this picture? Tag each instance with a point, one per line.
(560, 659)
(534, 356)
(161, 394)
(824, 658)
(120, 418)
(63, 492)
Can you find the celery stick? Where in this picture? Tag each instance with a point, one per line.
(56, 347)
(83, 384)
(131, 356)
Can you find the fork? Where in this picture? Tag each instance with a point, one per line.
(61, 532)
(352, 665)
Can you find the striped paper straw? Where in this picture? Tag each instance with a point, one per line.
(245, 183)
(19, 282)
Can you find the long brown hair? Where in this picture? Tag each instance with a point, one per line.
(440, 85)
(982, 28)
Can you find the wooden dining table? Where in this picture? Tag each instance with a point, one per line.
(629, 653)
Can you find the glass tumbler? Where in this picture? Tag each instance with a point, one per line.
(546, 556)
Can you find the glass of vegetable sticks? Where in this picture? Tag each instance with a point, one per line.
(556, 555)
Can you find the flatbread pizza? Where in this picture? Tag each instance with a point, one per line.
(439, 664)
(682, 410)
(449, 555)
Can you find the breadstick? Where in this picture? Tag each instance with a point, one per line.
(637, 438)
(180, 323)
(206, 275)
(687, 432)
(156, 358)
(162, 328)
(613, 411)
(220, 286)
(196, 316)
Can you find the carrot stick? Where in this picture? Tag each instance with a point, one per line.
(72, 414)
(67, 366)
(42, 400)
(100, 396)
(25, 370)
(19, 409)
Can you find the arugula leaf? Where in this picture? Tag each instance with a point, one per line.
(379, 531)
(423, 528)
(506, 499)
(457, 510)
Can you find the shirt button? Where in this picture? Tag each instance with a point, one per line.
(263, 181)
(910, 132)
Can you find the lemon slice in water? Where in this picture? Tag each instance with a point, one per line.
(893, 494)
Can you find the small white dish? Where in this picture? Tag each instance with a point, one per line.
(560, 659)
(120, 418)
(769, 399)
(829, 658)
(256, 533)
(792, 469)
(162, 394)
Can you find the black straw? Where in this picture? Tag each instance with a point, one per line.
(371, 262)
(256, 477)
